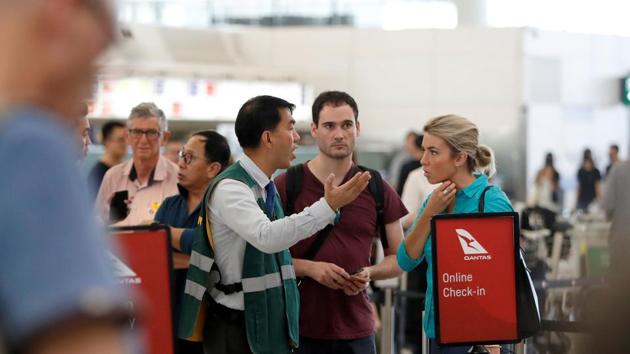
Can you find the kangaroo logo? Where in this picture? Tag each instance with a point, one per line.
(123, 272)
(469, 244)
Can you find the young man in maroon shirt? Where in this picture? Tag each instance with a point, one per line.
(335, 313)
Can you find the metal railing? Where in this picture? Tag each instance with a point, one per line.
(390, 343)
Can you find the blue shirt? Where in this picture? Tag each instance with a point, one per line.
(174, 212)
(52, 255)
(466, 201)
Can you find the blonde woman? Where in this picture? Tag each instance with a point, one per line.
(452, 157)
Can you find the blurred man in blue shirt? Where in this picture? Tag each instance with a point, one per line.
(57, 291)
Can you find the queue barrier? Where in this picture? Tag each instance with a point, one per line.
(579, 326)
(143, 264)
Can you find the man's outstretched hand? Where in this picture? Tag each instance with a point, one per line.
(339, 196)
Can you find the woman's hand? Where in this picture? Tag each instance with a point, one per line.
(441, 198)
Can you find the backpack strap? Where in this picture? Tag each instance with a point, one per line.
(482, 199)
(314, 248)
(376, 188)
(293, 186)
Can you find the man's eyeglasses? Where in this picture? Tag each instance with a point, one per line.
(187, 157)
(150, 133)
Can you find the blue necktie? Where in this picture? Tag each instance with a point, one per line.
(270, 188)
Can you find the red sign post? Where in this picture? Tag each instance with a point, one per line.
(144, 264)
(474, 259)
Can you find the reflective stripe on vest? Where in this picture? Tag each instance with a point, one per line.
(288, 272)
(200, 261)
(268, 281)
(195, 290)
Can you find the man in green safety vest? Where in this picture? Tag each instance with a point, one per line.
(240, 294)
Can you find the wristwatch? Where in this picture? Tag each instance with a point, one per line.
(337, 217)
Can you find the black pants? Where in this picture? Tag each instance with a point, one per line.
(187, 347)
(224, 331)
(434, 348)
(363, 345)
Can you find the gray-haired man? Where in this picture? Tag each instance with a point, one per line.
(132, 191)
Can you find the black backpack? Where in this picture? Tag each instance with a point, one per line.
(526, 298)
(293, 187)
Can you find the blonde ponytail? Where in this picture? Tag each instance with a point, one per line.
(484, 161)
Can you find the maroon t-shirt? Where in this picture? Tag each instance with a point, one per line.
(326, 313)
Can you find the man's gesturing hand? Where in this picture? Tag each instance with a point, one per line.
(339, 196)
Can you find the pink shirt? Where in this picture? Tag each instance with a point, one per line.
(146, 198)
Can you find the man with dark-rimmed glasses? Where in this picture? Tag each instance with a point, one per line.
(132, 191)
(204, 156)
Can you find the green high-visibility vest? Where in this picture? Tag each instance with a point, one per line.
(269, 289)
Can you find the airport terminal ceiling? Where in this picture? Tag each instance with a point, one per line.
(508, 80)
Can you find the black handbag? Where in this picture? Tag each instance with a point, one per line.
(528, 313)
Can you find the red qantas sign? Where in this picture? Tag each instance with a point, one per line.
(143, 264)
(474, 270)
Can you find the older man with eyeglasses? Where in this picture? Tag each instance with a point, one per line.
(132, 191)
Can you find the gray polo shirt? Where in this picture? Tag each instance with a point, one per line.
(616, 203)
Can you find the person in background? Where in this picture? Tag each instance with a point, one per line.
(144, 181)
(453, 158)
(172, 149)
(114, 140)
(400, 158)
(588, 182)
(57, 290)
(416, 189)
(606, 308)
(616, 204)
(546, 191)
(415, 151)
(83, 131)
(204, 156)
(613, 154)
